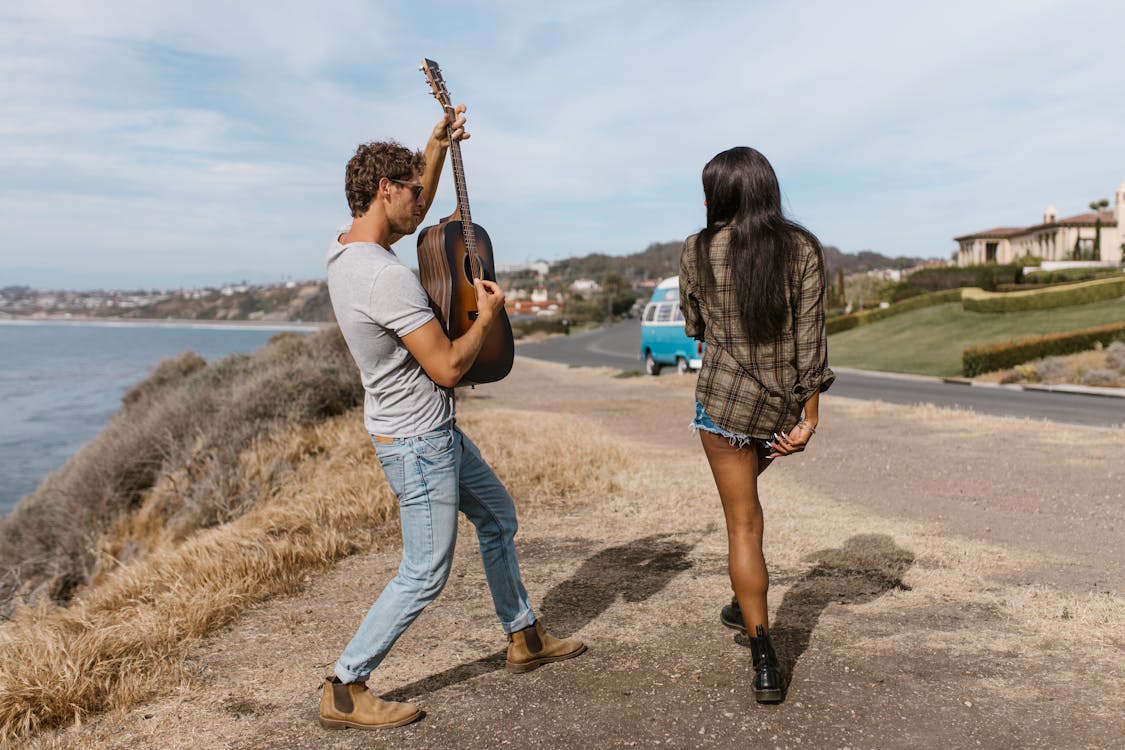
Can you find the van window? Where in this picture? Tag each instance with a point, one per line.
(650, 313)
(664, 312)
(677, 315)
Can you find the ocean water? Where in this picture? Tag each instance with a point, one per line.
(61, 382)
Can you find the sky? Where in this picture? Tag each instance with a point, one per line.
(168, 145)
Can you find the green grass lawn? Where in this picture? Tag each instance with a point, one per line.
(930, 341)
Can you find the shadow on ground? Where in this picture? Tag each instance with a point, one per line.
(864, 568)
(633, 572)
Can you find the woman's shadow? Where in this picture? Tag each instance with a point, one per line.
(633, 572)
(864, 568)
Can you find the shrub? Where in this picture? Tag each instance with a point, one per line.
(188, 420)
(986, 276)
(863, 317)
(978, 300)
(1101, 378)
(521, 328)
(1115, 356)
(1051, 369)
(1069, 275)
(1020, 287)
(999, 356)
(905, 290)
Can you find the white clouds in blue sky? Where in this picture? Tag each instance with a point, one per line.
(159, 144)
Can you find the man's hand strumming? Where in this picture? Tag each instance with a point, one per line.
(490, 300)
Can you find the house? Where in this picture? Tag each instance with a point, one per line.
(583, 286)
(1055, 239)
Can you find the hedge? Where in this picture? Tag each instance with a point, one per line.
(853, 320)
(988, 357)
(978, 300)
(521, 328)
(986, 276)
(1067, 275)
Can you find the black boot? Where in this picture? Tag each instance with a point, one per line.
(731, 616)
(769, 686)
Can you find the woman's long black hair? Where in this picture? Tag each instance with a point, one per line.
(742, 193)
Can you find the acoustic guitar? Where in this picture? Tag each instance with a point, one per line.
(454, 252)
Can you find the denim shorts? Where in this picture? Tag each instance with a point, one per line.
(738, 440)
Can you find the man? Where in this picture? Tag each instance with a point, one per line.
(409, 367)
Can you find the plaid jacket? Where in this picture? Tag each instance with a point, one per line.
(756, 389)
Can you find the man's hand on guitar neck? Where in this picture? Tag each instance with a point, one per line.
(451, 124)
(435, 151)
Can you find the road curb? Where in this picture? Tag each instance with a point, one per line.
(1082, 390)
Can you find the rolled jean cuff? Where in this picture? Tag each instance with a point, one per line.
(525, 620)
(345, 676)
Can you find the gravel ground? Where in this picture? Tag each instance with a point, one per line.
(939, 580)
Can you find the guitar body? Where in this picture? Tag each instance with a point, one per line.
(446, 268)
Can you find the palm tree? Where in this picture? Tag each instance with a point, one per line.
(1097, 207)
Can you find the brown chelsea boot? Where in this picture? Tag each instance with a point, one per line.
(351, 704)
(533, 646)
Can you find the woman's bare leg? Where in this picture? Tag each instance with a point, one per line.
(736, 473)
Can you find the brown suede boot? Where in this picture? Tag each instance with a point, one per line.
(351, 704)
(533, 646)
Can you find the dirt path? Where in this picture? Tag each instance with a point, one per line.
(939, 580)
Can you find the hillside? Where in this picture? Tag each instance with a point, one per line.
(930, 341)
(292, 301)
(662, 259)
(865, 260)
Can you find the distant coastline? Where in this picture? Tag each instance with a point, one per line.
(215, 325)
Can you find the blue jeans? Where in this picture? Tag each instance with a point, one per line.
(435, 475)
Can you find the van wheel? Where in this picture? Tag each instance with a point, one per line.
(682, 366)
(651, 367)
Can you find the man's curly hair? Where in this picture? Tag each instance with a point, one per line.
(371, 163)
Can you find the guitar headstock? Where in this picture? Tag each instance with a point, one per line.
(437, 83)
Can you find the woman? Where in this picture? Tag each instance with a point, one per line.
(752, 287)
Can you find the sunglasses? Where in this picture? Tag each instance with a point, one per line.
(415, 187)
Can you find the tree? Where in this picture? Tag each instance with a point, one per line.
(612, 286)
(1097, 207)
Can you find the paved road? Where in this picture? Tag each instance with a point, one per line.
(618, 346)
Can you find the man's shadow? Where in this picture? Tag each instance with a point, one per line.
(634, 572)
(863, 569)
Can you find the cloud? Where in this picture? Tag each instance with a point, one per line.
(892, 126)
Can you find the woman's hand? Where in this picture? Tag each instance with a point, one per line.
(793, 442)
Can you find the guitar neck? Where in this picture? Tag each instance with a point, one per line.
(462, 194)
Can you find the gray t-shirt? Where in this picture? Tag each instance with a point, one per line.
(377, 301)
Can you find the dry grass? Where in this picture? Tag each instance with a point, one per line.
(125, 637)
(185, 427)
(551, 458)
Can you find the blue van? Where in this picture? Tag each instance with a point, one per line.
(663, 341)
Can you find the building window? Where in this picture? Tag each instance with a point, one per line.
(990, 251)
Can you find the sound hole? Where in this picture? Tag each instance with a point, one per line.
(472, 268)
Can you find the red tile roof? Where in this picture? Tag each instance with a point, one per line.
(998, 233)
(1087, 219)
